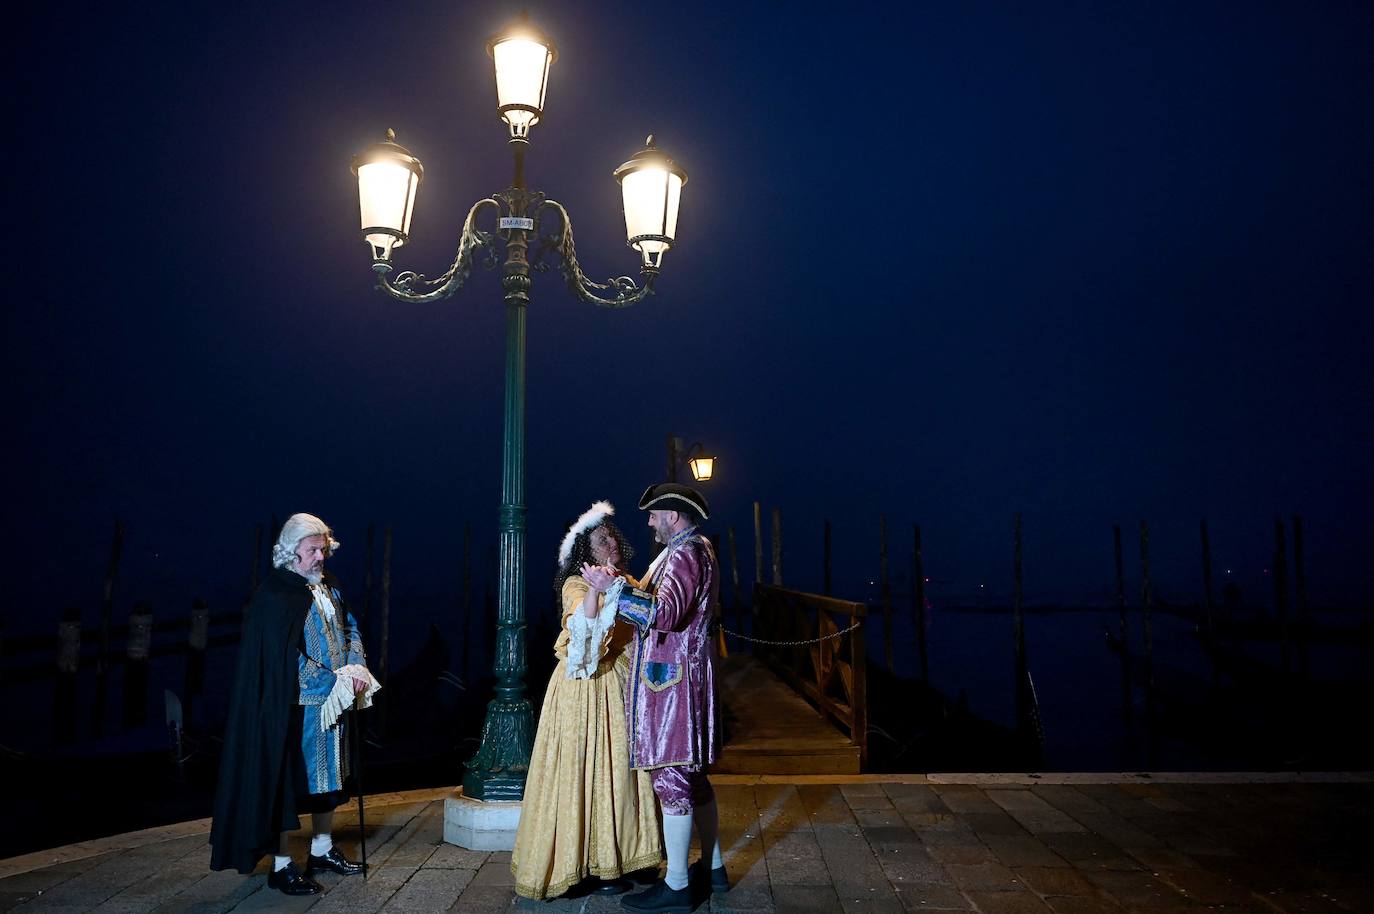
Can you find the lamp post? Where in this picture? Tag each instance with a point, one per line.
(388, 180)
(695, 457)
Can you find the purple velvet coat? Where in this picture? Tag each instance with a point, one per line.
(670, 696)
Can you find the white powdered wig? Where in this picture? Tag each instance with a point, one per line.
(589, 519)
(297, 528)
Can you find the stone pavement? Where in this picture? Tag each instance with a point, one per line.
(870, 844)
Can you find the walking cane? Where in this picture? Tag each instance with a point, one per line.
(358, 781)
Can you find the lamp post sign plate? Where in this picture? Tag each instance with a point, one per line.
(517, 222)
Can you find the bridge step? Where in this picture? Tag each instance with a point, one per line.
(770, 729)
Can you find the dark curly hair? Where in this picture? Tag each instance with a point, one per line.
(582, 553)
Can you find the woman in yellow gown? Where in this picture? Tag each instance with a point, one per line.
(585, 812)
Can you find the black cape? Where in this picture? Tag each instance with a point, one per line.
(255, 800)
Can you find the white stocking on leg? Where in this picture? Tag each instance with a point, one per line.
(677, 839)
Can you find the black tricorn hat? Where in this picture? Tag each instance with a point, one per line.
(672, 496)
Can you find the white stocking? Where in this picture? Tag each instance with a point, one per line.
(677, 838)
(707, 820)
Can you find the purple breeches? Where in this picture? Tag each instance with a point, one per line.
(681, 788)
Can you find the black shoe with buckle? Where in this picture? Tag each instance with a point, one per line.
(719, 879)
(611, 887)
(659, 899)
(334, 862)
(290, 881)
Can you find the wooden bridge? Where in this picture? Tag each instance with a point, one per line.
(796, 708)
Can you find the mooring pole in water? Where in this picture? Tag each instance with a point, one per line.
(386, 626)
(1120, 584)
(1207, 603)
(1281, 591)
(466, 608)
(735, 600)
(777, 547)
(918, 600)
(102, 662)
(1018, 624)
(825, 581)
(1146, 604)
(758, 544)
(885, 589)
(1300, 580)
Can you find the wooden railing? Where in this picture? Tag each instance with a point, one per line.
(830, 673)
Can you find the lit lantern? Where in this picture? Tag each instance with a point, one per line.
(702, 467)
(522, 55)
(388, 176)
(651, 186)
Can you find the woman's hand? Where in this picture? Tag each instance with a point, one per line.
(598, 576)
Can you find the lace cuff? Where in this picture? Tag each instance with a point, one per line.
(342, 697)
(586, 637)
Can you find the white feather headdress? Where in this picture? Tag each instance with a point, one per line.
(589, 519)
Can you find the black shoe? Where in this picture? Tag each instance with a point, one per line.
(290, 881)
(334, 862)
(659, 899)
(612, 887)
(719, 879)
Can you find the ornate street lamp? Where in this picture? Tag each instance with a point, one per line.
(388, 178)
(702, 465)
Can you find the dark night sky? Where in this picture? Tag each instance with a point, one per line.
(1091, 262)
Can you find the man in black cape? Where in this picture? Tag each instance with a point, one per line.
(263, 778)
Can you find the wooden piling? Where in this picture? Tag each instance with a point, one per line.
(885, 590)
(1018, 623)
(102, 663)
(367, 580)
(197, 639)
(758, 543)
(777, 547)
(1300, 580)
(1120, 583)
(918, 600)
(1207, 604)
(735, 600)
(825, 585)
(385, 645)
(1146, 600)
(467, 594)
(137, 649)
(1281, 591)
(68, 663)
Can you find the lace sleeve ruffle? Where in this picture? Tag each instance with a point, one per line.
(587, 639)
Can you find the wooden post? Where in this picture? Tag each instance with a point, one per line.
(1300, 580)
(825, 587)
(102, 663)
(254, 576)
(1120, 583)
(1018, 624)
(758, 543)
(885, 589)
(1281, 590)
(777, 547)
(1207, 604)
(1146, 601)
(467, 595)
(367, 579)
(68, 663)
(197, 638)
(736, 602)
(918, 600)
(137, 649)
(386, 624)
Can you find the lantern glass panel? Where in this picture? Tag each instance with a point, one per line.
(386, 199)
(702, 468)
(522, 77)
(651, 198)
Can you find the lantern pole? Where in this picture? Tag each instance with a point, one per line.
(497, 770)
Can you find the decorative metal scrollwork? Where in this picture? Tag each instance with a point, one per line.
(518, 203)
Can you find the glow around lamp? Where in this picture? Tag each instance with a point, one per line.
(522, 55)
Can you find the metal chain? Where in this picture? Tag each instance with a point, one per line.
(792, 643)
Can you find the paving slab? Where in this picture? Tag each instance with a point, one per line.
(844, 845)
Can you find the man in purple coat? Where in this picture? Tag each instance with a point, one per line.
(671, 695)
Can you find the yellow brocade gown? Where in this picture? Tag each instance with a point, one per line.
(585, 812)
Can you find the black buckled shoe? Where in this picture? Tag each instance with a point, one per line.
(291, 881)
(334, 862)
(719, 879)
(611, 887)
(659, 899)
